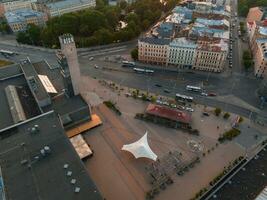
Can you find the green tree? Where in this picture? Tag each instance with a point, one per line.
(134, 54)
(217, 111)
(103, 36)
(34, 34)
(123, 4)
(4, 28)
(226, 115)
(91, 21)
(23, 38)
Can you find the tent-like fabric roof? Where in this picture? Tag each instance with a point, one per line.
(140, 149)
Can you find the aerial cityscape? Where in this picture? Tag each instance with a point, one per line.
(133, 99)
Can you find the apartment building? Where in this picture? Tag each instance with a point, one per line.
(181, 53)
(210, 57)
(153, 50)
(19, 19)
(260, 59)
(12, 5)
(57, 8)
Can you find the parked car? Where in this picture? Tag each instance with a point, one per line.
(128, 94)
(158, 85)
(205, 114)
(159, 102)
(167, 91)
(204, 94)
(212, 94)
(173, 105)
(96, 66)
(91, 58)
(189, 109)
(165, 103)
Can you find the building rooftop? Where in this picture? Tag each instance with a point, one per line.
(37, 161)
(71, 110)
(58, 5)
(183, 42)
(35, 83)
(168, 113)
(156, 41)
(248, 182)
(21, 15)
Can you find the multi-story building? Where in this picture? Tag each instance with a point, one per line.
(12, 5)
(260, 59)
(19, 19)
(185, 41)
(255, 14)
(210, 57)
(57, 8)
(181, 53)
(153, 50)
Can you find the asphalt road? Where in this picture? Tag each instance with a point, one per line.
(237, 84)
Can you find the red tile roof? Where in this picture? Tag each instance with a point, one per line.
(168, 113)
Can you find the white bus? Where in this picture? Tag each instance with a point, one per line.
(180, 97)
(193, 88)
(143, 71)
(5, 52)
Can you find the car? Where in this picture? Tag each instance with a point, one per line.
(128, 94)
(165, 103)
(205, 114)
(159, 102)
(212, 94)
(189, 109)
(167, 91)
(204, 94)
(96, 66)
(158, 85)
(173, 105)
(91, 58)
(180, 107)
(230, 65)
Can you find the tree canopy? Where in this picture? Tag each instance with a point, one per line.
(100, 25)
(244, 5)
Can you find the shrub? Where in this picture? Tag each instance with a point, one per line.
(217, 111)
(226, 115)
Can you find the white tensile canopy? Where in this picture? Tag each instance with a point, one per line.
(140, 149)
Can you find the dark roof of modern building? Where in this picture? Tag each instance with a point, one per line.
(168, 113)
(75, 107)
(247, 183)
(155, 41)
(31, 76)
(5, 114)
(29, 174)
(10, 71)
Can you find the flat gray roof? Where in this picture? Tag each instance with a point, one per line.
(30, 73)
(5, 115)
(27, 177)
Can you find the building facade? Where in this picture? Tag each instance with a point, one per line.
(57, 8)
(181, 53)
(210, 57)
(260, 60)
(9, 5)
(19, 19)
(153, 50)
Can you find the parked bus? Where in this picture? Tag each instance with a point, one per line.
(193, 88)
(180, 97)
(143, 71)
(5, 52)
(128, 64)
